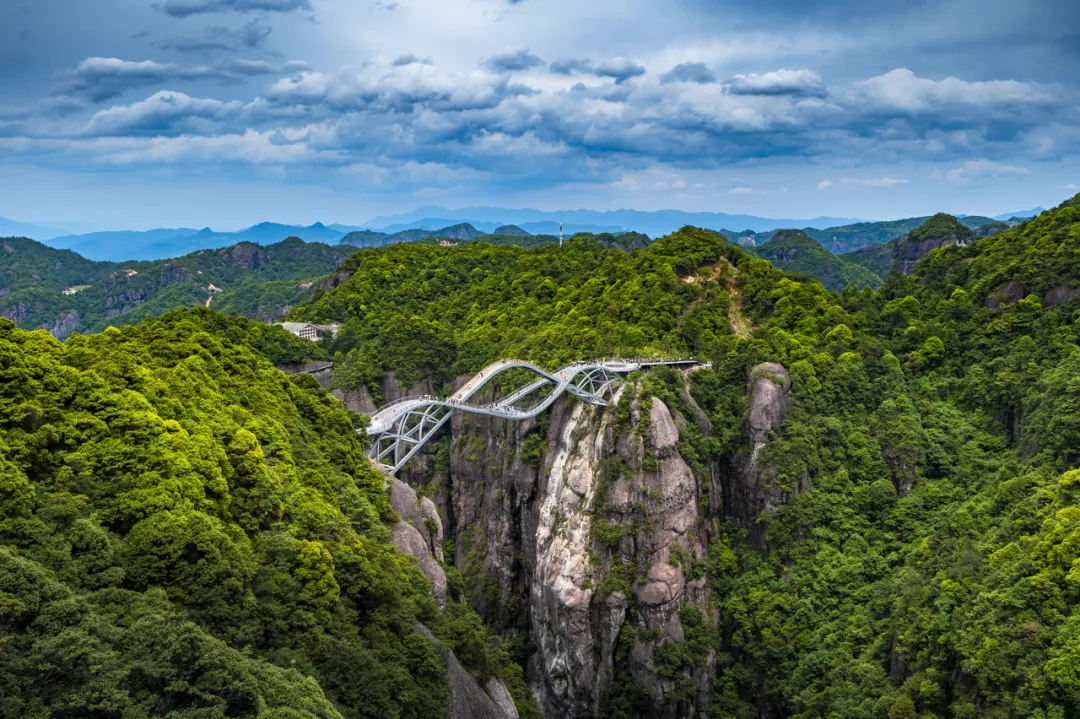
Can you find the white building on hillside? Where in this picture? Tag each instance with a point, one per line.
(303, 330)
(308, 331)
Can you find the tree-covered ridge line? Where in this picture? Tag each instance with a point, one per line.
(927, 567)
(186, 531)
(795, 251)
(849, 238)
(250, 279)
(431, 309)
(922, 561)
(422, 310)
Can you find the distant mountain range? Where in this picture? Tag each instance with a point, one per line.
(115, 246)
(63, 291)
(11, 228)
(849, 238)
(654, 224)
(163, 243)
(1022, 214)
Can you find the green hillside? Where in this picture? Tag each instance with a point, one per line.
(27, 264)
(126, 293)
(185, 531)
(795, 251)
(878, 259)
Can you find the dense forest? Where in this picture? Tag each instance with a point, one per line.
(926, 571)
(795, 251)
(185, 531)
(249, 279)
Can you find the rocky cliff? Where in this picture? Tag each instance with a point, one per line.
(585, 533)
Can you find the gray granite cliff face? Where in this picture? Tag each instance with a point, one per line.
(587, 531)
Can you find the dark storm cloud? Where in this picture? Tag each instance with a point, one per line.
(251, 36)
(572, 67)
(620, 69)
(514, 61)
(103, 78)
(690, 72)
(410, 59)
(184, 8)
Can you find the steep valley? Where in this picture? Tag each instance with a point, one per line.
(860, 504)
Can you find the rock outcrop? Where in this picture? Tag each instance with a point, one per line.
(753, 487)
(419, 533)
(594, 544)
(468, 700)
(65, 324)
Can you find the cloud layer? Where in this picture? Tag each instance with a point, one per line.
(540, 97)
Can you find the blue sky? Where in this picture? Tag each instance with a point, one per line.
(139, 113)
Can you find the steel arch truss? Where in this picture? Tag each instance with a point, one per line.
(407, 433)
(592, 384)
(398, 430)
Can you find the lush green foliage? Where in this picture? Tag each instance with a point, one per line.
(442, 311)
(186, 531)
(930, 566)
(931, 569)
(197, 533)
(26, 263)
(795, 251)
(126, 293)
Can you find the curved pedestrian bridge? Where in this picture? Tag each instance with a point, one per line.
(398, 430)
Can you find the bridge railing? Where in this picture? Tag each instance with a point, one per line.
(402, 400)
(639, 361)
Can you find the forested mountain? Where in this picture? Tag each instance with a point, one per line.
(866, 506)
(795, 251)
(26, 263)
(185, 531)
(260, 282)
(903, 253)
(849, 238)
(903, 544)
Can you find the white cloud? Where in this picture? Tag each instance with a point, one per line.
(901, 89)
(798, 83)
(164, 113)
(973, 170)
(873, 181)
(103, 78)
(825, 184)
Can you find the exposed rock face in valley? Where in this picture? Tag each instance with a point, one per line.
(587, 531)
(419, 533)
(359, 399)
(753, 488)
